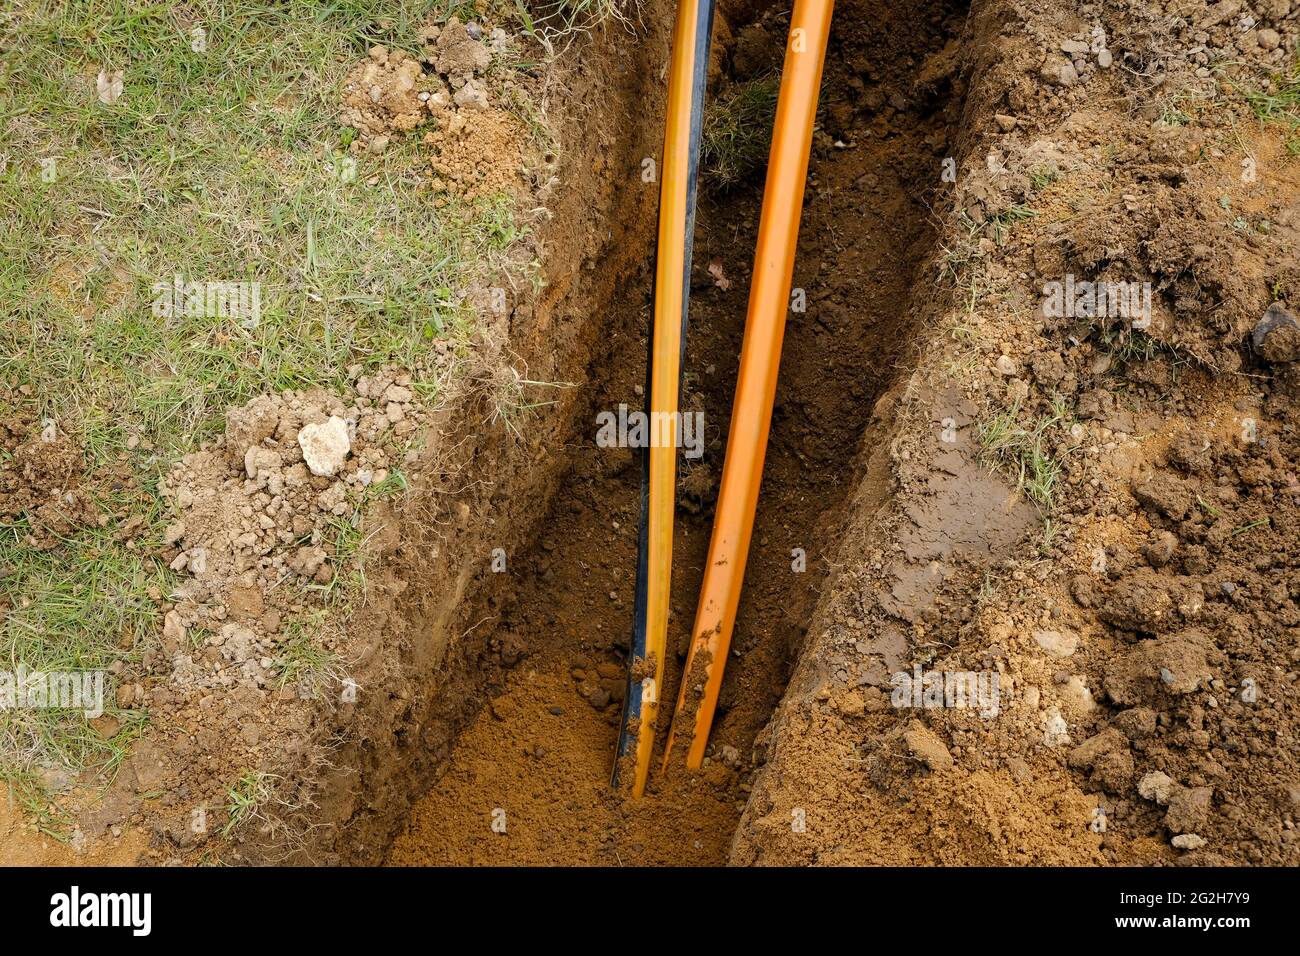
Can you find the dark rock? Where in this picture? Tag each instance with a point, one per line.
(1276, 337)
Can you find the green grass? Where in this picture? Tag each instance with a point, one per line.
(393, 485)
(1040, 177)
(737, 131)
(1281, 104)
(219, 166)
(345, 541)
(1262, 522)
(1022, 451)
(25, 789)
(222, 165)
(77, 608)
(302, 660)
(1004, 221)
(245, 799)
(1127, 345)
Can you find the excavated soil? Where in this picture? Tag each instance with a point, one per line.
(528, 781)
(1139, 603)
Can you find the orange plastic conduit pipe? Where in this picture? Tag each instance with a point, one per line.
(760, 358)
(686, 84)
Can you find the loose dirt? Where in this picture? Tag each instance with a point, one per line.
(453, 97)
(20, 847)
(1142, 623)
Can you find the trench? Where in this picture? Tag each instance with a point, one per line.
(526, 778)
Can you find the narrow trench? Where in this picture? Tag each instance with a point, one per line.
(536, 760)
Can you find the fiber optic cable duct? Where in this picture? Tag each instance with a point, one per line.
(677, 194)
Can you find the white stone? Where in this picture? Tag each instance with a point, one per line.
(1057, 643)
(173, 628)
(471, 96)
(1056, 731)
(325, 446)
(1156, 786)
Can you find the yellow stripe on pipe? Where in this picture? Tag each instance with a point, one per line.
(676, 197)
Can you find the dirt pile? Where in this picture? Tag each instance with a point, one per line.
(260, 515)
(266, 534)
(40, 478)
(478, 145)
(1132, 583)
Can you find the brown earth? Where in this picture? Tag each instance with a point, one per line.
(1100, 514)
(1144, 626)
(1135, 710)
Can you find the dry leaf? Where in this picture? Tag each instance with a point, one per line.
(719, 277)
(108, 86)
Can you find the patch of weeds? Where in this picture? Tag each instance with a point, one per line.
(302, 660)
(346, 545)
(965, 257)
(393, 485)
(1281, 104)
(1184, 106)
(523, 108)
(1003, 222)
(1127, 345)
(963, 334)
(1022, 452)
(1040, 177)
(246, 798)
(1048, 539)
(497, 216)
(26, 790)
(1132, 345)
(198, 636)
(738, 131)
